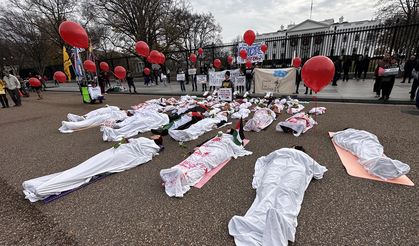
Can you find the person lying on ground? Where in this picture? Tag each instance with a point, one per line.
(189, 132)
(178, 179)
(280, 180)
(92, 121)
(142, 121)
(119, 158)
(370, 153)
(262, 118)
(99, 111)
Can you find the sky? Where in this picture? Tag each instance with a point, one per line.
(237, 16)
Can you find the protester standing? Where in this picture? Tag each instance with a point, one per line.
(12, 85)
(182, 82)
(415, 85)
(210, 70)
(377, 83)
(249, 77)
(408, 68)
(347, 64)
(102, 82)
(297, 79)
(387, 81)
(3, 98)
(338, 70)
(204, 72)
(130, 81)
(227, 82)
(365, 63)
(358, 67)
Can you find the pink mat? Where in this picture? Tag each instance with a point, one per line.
(353, 168)
(214, 171)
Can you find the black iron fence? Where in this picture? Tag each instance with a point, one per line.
(346, 43)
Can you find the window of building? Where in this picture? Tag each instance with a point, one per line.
(356, 37)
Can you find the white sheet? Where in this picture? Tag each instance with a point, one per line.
(370, 153)
(262, 118)
(280, 180)
(299, 123)
(142, 121)
(92, 121)
(178, 179)
(126, 156)
(197, 129)
(105, 110)
(242, 113)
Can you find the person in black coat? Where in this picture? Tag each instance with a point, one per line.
(347, 64)
(408, 68)
(365, 63)
(338, 71)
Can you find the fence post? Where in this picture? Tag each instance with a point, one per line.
(394, 37)
(332, 50)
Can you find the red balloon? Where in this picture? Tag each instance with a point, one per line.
(243, 54)
(120, 72)
(90, 66)
(163, 58)
(154, 56)
(217, 63)
(104, 66)
(34, 82)
(200, 51)
(230, 59)
(142, 48)
(249, 37)
(147, 71)
(74, 34)
(318, 72)
(192, 58)
(248, 64)
(264, 48)
(296, 62)
(380, 71)
(60, 76)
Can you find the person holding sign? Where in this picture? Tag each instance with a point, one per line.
(227, 82)
(181, 78)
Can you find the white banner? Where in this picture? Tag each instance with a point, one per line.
(281, 81)
(240, 81)
(225, 94)
(254, 53)
(180, 77)
(201, 79)
(216, 78)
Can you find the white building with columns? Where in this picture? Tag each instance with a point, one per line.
(310, 38)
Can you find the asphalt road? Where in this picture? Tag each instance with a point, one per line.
(131, 208)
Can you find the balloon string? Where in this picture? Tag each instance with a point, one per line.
(315, 135)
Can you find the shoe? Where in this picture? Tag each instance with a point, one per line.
(381, 98)
(377, 96)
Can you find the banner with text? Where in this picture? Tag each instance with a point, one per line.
(225, 94)
(254, 54)
(216, 78)
(281, 81)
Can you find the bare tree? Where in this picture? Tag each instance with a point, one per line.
(406, 11)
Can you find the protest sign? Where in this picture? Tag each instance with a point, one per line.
(254, 53)
(201, 79)
(216, 78)
(180, 77)
(225, 94)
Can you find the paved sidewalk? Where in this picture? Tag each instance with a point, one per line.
(351, 91)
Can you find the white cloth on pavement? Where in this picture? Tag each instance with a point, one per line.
(126, 156)
(197, 129)
(178, 179)
(370, 153)
(262, 118)
(97, 120)
(317, 110)
(105, 110)
(280, 180)
(298, 123)
(142, 121)
(242, 113)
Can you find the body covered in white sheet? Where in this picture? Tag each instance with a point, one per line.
(126, 156)
(297, 124)
(178, 179)
(92, 121)
(370, 153)
(280, 180)
(141, 121)
(198, 129)
(262, 118)
(99, 111)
